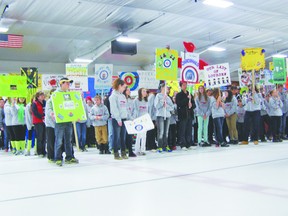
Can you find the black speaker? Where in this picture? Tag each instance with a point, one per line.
(123, 48)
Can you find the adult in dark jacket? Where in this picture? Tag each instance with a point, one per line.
(185, 110)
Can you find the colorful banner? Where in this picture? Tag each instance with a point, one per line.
(262, 77)
(279, 73)
(13, 86)
(217, 75)
(147, 80)
(77, 69)
(31, 73)
(190, 68)
(50, 81)
(139, 125)
(166, 64)
(103, 75)
(174, 87)
(131, 79)
(252, 59)
(68, 106)
(80, 83)
(268, 77)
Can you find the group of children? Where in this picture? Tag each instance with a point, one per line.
(219, 118)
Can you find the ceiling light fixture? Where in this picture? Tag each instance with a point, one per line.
(216, 49)
(218, 3)
(4, 29)
(279, 55)
(126, 39)
(80, 60)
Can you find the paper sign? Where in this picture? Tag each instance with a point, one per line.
(80, 83)
(139, 125)
(279, 73)
(190, 68)
(147, 79)
(103, 75)
(77, 69)
(252, 59)
(13, 86)
(166, 64)
(217, 75)
(32, 76)
(68, 106)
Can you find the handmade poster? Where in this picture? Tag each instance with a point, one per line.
(68, 106)
(13, 86)
(39, 82)
(77, 69)
(174, 87)
(131, 79)
(245, 77)
(252, 59)
(103, 75)
(147, 80)
(268, 80)
(279, 73)
(190, 68)
(31, 73)
(50, 81)
(80, 83)
(139, 125)
(217, 75)
(166, 64)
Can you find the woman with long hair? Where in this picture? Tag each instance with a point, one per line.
(231, 116)
(203, 112)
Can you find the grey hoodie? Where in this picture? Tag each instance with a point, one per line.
(203, 106)
(284, 99)
(130, 110)
(231, 107)
(8, 114)
(140, 108)
(101, 111)
(159, 105)
(15, 120)
(28, 116)
(217, 112)
(49, 121)
(151, 107)
(252, 103)
(118, 106)
(275, 106)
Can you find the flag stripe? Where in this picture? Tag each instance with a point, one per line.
(11, 41)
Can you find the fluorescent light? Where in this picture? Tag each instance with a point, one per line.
(279, 55)
(4, 29)
(218, 3)
(216, 49)
(79, 60)
(126, 39)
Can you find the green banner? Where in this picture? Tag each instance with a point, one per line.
(13, 86)
(166, 64)
(279, 72)
(68, 107)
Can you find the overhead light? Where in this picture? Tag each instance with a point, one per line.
(126, 39)
(279, 55)
(218, 3)
(4, 29)
(216, 49)
(79, 60)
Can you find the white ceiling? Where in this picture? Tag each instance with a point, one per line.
(61, 30)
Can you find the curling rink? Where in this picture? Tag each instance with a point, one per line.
(235, 181)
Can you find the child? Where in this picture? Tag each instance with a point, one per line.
(276, 105)
(140, 105)
(240, 120)
(99, 116)
(30, 126)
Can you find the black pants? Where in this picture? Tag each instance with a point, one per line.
(41, 138)
(185, 133)
(151, 138)
(129, 141)
(172, 135)
(265, 119)
(19, 132)
(275, 126)
(50, 139)
(240, 129)
(210, 129)
(90, 136)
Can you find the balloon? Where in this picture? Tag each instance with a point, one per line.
(189, 46)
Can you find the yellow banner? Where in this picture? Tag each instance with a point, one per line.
(252, 59)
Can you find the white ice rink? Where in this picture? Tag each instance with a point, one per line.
(234, 181)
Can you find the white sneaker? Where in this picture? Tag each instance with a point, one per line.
(184, 149)
(192, 148)
(154, 150)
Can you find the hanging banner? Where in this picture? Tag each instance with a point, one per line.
(139, 125)
(279, 72)
(13, 86)
(252, 59)
(50, 81)
(80, 83)
(147, 80)
(190, 68)
(68, 106)
(217, 75)
(103, 75)
(77, 69)
(31, 73)
(131, 79)
(268, 80)
(166, 64)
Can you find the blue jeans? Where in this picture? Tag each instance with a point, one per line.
(81, 134)
(110, 134)
(162, 131)
(218, 126)
(6, 138)
(283, 124)
(119, 136)
(63, 131)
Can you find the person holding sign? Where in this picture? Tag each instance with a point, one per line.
(118, 109)
(64, 131)
(163, 105)
(217, 109)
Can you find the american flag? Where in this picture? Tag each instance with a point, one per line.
(11, 41)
